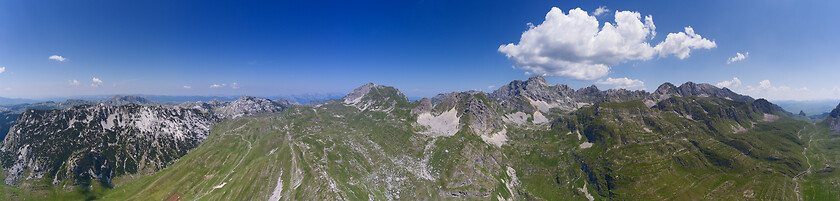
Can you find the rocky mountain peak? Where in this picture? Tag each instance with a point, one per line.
(247, 105)
(689, 89)
(357, 94)
(375, 97)
(248, 98)
(666, 88)
(833, 119)
(693, 89)
(765, 106)
(536, 80)
(591, 89)
(534, 88)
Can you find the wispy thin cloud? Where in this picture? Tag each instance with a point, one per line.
(96, 82)
(738, 57)
(600, 11)
(233, 85)
(57, 58)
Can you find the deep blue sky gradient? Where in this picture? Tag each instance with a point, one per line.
(423, 48)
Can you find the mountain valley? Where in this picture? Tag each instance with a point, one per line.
(525, 141)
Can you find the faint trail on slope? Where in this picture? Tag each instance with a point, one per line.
(796, 189)
(222, 183)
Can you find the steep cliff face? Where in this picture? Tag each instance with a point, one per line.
(82, 144)
(536, 95)
(100, 141)
(375, 97)
(690, 89)
(833, 119)
(468, 146)
(245, 105)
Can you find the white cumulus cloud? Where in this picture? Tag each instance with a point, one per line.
(572, 45)
(73, 82)
(57, 58)
(768, 90)
(2, 69)
(765, 84)
(735, 82)
(96, 82)
(738, 57)
(234, 85)
(600, 11)
(215, 86)
(623, 83)
(680, 44)
(187, 87)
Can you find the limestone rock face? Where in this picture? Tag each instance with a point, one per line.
(120, 135)
(101, 141)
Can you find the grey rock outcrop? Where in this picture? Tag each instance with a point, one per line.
(101, 141)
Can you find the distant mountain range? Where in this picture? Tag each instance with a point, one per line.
(164, 99)
(527, 140)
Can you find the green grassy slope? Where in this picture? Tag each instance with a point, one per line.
(682, 149)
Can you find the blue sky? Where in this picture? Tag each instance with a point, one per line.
(270, 48)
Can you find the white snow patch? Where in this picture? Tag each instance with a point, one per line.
(514, 181)
(355, 100)
(108, 123)
(497, 139)
(739, 129)
(539, 118)
(220, 185)
(585, 145)
(445, 124)
(582, 104)
(518, 118)
(586, 193)
(542, 105)
(278, 189)
(770, 117)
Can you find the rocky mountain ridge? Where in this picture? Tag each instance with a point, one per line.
(87, 142)
(375, 145)
(535, 94)
(525, 140)
(833, 119)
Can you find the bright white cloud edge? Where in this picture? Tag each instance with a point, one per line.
(57, 58)
(735, 82)
(738, 57)
(573, 45)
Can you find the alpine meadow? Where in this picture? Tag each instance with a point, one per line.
(419, 100)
